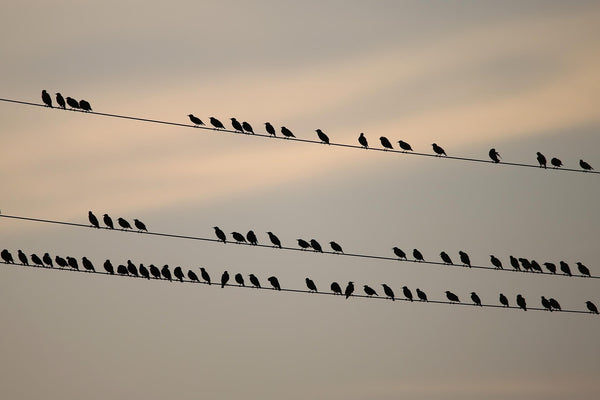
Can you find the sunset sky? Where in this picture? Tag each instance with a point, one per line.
(521, 77)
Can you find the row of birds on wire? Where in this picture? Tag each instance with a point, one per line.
(251, 238)
(153, 272)
(245, 127)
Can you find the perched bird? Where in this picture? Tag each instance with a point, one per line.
(47, 259)
(541, 159)
(251, 236)
(154, 271)
(123, 223)
(388, 291)
(108, 267)
(404, 146)
(525, 263)
(421, 295)
(438, 150)
(503, 300)
(335, 288)
(324, 138)
(239, 279)
(204, 275)
(178, 273)
(220, 234)
(369, 291)
(494, 155)
(592, 307)
(36, 260)
(451, 296)
(195, 120)
(22, 257)
(315, 245)
(61, 262)
(87, 264)
(61, 101)
(216, 123)
(385, 143)
(362, 140)
(236, 125)
(140, 225)
(475, 299)
(224, 279)
(84, 105)
(8, 258)
(269, 128)
(564, 267)
(303, 244)
(238, 237)
(193, 277)
(286, 132)
(585, 165)
(165, 272)
(310, 284)
(93, 219)
(550, 267)
(336, 247)
(445, 257)
(254, 280)
(554, 304)
(546, 304)
(464, 258)
(132, 268)
(535, 266)
(496, 262)
(144, 271)
(583, 269)
(407, 293)
(247, 127)
(417, 255)
(72, 103)
(399, 253)
(46, 98)
(556, 163)
(274, 239)
(515, 263)
(72, 262)
(108, 221)
(349, 289)
(122, 270)
(274, 282)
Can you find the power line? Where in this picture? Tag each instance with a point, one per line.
(303, 291)
(155, 121)
(375, 257)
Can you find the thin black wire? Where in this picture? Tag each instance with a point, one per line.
(155, 121)
(374, 257)
(363, 296)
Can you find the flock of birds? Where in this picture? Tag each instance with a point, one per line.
(62, 102)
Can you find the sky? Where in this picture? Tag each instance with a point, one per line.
(520, 77)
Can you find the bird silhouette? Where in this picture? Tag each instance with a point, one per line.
(22, 257)
(585, 165)
(421, 295)
(192, 275)
(388, 291)
(72, 262)
(475, 299)
(438, 150)
(496, 262)
(464, 258)
(546, 304)
(269, 128)
(87, 264)
(407, 293)
(61, 101)
(494, 155)
(108, 221)
(583, 269)
(46, 98)
(154, 271)
(178, 273)
(93, 219)
(404, 146)
(554, 304)
(166, 273)
(144, 271)
(61, 262)
(252, 239)
(564, 267)
(204, 275)
(535, 266)
(47, 259)
(515, 263)
(336, 247)
(556, 163)
(236, 125)
(254, 281)
(417, 255)
(84, 105)
(140, 225)
(247, 127)
(349, 289)
(322, 136)
(445, 257)
(385, 143)
(132, 268)
(310, 284)
(224, 279)
(592, 307)
(122, 270)
(216, 123)
(525, 263)
(72, 103)
(303, 244)
(335, 288)
(503, 300)
(362, 140)
(369, 291)
(451, 296)
(550, 267)
(36, 260)
(123, 223)
(220, 234)
(399, 253)
(195, 120)
(541, 159)
(238, 237)
(7, 257)
(274, 282)
(315, 245)
(239, 279)
(108, 267)
(274, 239)
(286, 132)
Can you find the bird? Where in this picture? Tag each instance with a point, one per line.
(336, 247)
(166, 273)
(438, 150)
(315, 245)
(286, 132)
(349, 289)
(132, 268)
(564, 267)
(385, 143)
(144, 271)
(72, 262)
(592, 307)
(503, 300)
(451, 296)
(122, 270)
(192, 275)
(421, 295)
(388, 291)
(84, 105)
(154, 271)
(303, 244)
(220, 234)
(525, 263)
(407, 293)
(22, 257)
(515, 263)
(496, 262)
(195, 120)
(417, 255)
(494, 155)
(87, 264)
(546, 304)
(335, 288)
(93, 219)
(61, 101)
(274, 282)
(224, 279)
(556, 162)
(216, 123)
(274, 239)
(254, 281)
(399, 253)
(239, 279)
(247, 127)
(251, 236)
(310, 284)
(178, 273)
(369, 290)
(475, 299)
(61, 262)
(541, 159)
(550, 267)
(535, 266)
(362, 140)
(108, 267)
(324, 138)
(37, 260)
(583, 269)
(585, 165)
(404, 146)
(238, 237)
(521, 302)
(269, 128)
(140, 225)
(47, 259)
(46, 98)
(123, 223)
(108, 221)
(464, 258)
(554, 304)
(445, 257)
(72, 103)
(236, 125)
(204, 275)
